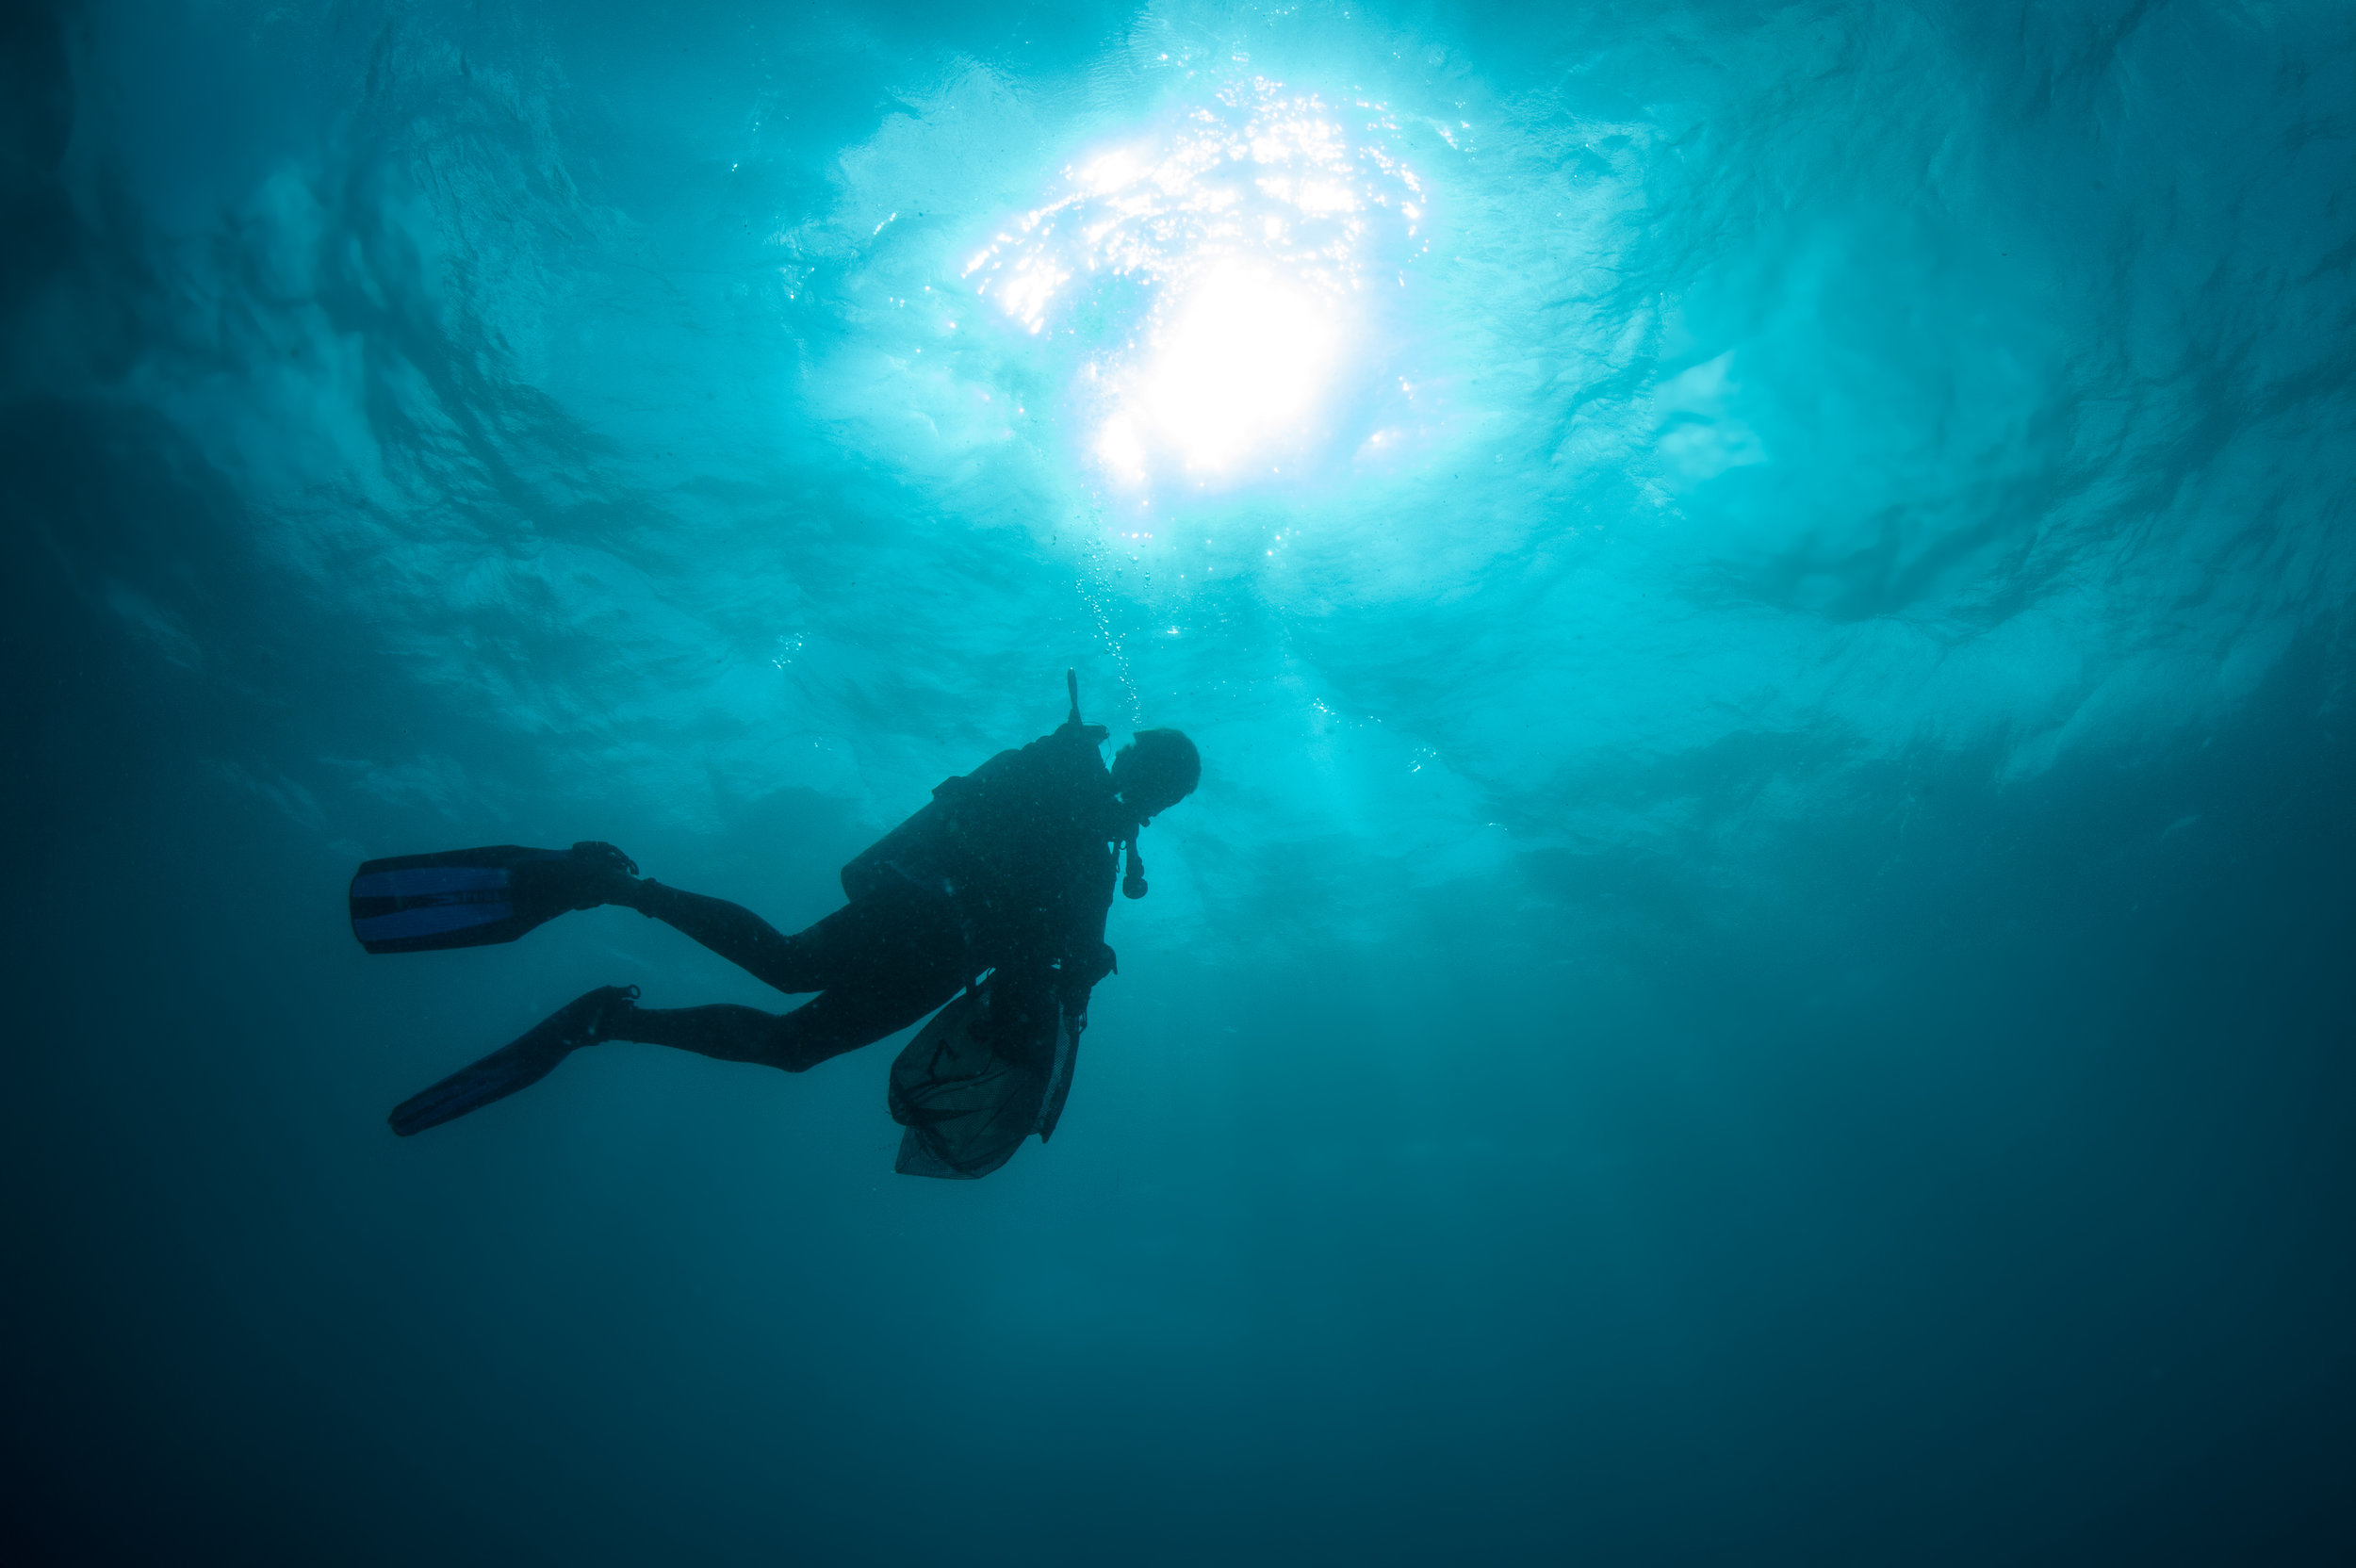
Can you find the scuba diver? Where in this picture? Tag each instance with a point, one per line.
(991, 899)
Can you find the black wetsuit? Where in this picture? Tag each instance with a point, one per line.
(1010, 868)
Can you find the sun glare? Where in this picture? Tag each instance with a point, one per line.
(1214, 279)
(1237, 367)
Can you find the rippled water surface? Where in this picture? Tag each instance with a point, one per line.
(1762, 969)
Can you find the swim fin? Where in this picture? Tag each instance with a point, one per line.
(516, 1066)
(473, 897)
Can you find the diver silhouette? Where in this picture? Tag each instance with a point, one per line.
(990, 899)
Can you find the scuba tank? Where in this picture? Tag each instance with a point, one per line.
(919, 850)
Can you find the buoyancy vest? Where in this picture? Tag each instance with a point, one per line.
(1022, 845)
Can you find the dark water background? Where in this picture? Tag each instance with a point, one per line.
(1788, 1009)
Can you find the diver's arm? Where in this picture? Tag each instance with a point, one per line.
(1082, 956)
(1077, 977)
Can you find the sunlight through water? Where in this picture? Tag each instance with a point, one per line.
(1761, 968)
(1220, 278)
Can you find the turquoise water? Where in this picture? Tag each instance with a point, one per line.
(1761, 969)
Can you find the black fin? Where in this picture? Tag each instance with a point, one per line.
(531, 1057)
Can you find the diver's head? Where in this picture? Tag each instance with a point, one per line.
(1155, 771)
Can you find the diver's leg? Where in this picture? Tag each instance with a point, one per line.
(732, 931)
(873, 943)
(826, 1025)
(597, 874)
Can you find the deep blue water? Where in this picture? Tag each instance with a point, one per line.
(1762, 970)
